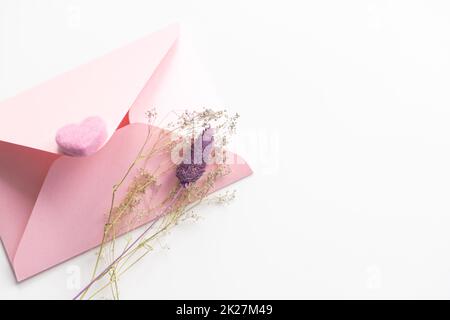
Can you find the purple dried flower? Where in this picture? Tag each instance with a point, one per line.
(194, 165)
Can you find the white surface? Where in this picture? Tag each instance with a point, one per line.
(345, 116)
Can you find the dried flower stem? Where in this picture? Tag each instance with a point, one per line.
(116, 187)
(107, 269)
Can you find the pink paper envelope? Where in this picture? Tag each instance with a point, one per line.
(53, 207)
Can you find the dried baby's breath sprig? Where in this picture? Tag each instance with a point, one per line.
(223, 198)
(194, 122)
(195, 183)
(151, 114)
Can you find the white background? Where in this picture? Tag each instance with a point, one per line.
(345, 106)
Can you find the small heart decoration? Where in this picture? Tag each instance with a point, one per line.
(82, 139)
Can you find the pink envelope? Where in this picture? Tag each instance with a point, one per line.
(53, 207)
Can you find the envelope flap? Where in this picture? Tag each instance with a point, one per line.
(105, 87)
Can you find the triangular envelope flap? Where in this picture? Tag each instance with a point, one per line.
(105, 87)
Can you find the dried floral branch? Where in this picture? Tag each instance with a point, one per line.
(192, 189)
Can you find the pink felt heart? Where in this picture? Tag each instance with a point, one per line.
(82, 139)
